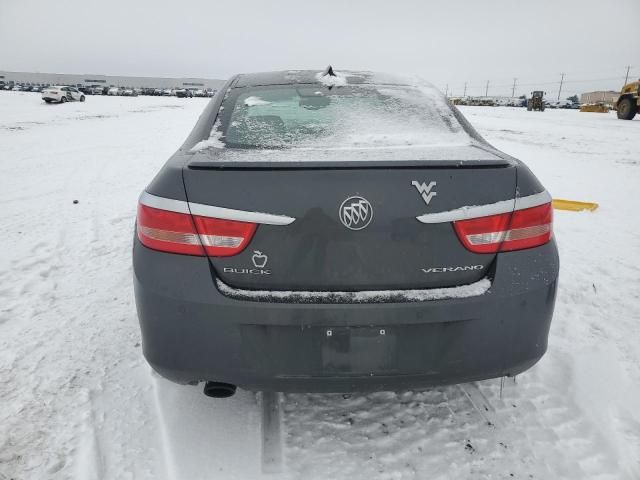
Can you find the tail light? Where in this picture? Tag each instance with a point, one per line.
(181, 233)
(527, 228)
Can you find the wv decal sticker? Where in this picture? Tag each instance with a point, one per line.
(425, 190)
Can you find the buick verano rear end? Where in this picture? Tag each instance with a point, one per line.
(341, 231)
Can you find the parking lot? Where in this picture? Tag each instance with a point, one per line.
(79, 401)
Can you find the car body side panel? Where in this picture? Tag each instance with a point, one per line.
(203, 126)
(168, 182)
(527, 182)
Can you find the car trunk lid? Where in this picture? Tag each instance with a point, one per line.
(355, 224)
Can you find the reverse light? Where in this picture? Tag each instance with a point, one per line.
(224, 238)
(527, 228)
(181, 233)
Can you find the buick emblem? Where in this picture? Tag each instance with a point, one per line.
(355, 213)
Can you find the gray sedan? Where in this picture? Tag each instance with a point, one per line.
(341, 231)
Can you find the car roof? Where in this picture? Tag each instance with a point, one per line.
(342, 77)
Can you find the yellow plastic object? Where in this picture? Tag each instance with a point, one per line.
(573, 205)
(595, 108)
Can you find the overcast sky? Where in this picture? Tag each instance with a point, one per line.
(450, 41)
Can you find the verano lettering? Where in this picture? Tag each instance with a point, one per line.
(463, 268)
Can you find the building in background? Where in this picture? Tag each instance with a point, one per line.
(607, 97)
(31, 78)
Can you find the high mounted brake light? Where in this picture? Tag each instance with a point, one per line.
(527, 228)
(181, 233)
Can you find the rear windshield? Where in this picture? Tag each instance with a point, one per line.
(342, 117)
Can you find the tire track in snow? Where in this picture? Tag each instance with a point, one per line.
(68, 359)
(166, 452)
(479, 401)
(271, 433)
(89, 457)
(209, 438)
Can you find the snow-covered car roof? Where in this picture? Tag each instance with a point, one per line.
(340, 77)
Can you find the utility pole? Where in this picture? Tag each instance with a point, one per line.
(486, 90)
(464, 95)
(561, 82)
(626, 77)
(513, 89)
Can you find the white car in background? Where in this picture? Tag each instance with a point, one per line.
(113, 91)
(62, 94)
(168, 92)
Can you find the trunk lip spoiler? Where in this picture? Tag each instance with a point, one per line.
(347, 164)
(475, 211)
(181, 206)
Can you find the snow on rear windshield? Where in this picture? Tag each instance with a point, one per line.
(342, 117)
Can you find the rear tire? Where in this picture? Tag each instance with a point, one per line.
(627, 108)
(82, 98)
(63, 100)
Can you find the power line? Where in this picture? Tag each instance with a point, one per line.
(560, 85)
(532, 83)
(561, 81)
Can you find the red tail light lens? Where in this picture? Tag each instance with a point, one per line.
(521, 229)
(168, 231)
(224, 238)
(183, 234)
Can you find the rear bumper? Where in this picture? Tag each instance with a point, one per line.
(191, 332)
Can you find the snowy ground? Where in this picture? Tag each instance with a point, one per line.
(78, 401)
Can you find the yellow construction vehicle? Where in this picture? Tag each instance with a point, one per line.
(628, 104)
(599, 107)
